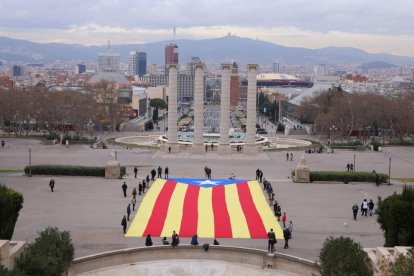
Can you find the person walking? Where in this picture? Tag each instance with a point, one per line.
(348, 167)
(134, 192)
(194, 240)
(355, 210)
(124, 224)
(284, 220)
(271, 241)
(261, 176)
(52, 184)
(124, 189)
(148, 240)
(370, 207)
(2, 143)
(135, 172)
(364, 207)
(257, 174)
(148, 180)
(351, 167)
(287, 156)
(166, 171)
(153, 173)
(169, 150)
(134, 202)
(286, 236)
(291, 157)
(128, 211)
(291, 228)
(159, 172)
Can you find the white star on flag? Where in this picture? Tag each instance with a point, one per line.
(207, 182)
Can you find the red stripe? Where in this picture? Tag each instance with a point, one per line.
(253, 218)
(159, 212)
(222, 224)
(189, 221)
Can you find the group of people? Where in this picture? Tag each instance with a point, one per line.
(349, 167)
(259, 175)
(289, 156)
(366, 208)
(142, 186)
(175, 240)
(287, 235)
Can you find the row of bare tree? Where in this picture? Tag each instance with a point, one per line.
(360, 113)
(33, 109)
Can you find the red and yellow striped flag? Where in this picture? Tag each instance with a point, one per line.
(212, 208)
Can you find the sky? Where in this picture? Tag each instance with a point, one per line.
(376, 26)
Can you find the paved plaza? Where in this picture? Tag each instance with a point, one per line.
(91, 208)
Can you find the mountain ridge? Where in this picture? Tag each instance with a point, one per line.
(211, 51)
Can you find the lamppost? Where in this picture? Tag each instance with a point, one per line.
(389, 171)
(332, 128)
(30, 161)
(354, 164)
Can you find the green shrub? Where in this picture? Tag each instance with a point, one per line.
(403, 264)
(52, 136)
(375, 144)
(50, 254)
(10, 204)
(69, 170)
(347, 144)
(350, 176)
(400, 143)
(342, 256)
(395, 216)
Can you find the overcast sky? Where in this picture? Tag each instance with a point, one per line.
(371, 25)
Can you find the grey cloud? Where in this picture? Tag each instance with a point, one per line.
(368, 16)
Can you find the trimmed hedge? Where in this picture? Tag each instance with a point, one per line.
(346, 176)
(11, 202)
(69, 170)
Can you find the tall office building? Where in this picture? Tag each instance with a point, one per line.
(109, 62)
(275, 67)
(192, 65)
(17, 70)
(80, 68)
(320, 70)
(137, 63)
(171, 55)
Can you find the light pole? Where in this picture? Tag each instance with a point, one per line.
(389, 171)
(354, 164)
(30, 161)
(332, 128)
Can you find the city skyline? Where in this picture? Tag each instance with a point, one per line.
(373, 26)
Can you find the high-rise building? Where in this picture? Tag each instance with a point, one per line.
(192, 65)
(109, 62)
(234, 85)
(17, 70)
(137, 63)
(80, 68)
(275, 67)
(320, 70)
(171, 55)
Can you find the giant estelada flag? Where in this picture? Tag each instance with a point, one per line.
(212, 208)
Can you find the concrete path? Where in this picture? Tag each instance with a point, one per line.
(91, 208)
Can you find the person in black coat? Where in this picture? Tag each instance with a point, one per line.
(148, 240)
(286, 236)
(124, 223)
(124, 189)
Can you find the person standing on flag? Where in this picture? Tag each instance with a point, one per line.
(272, 241)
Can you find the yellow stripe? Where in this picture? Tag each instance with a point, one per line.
(144, 213)
(237, 218)
(268, 217)
(205, 228)
(175, 211)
